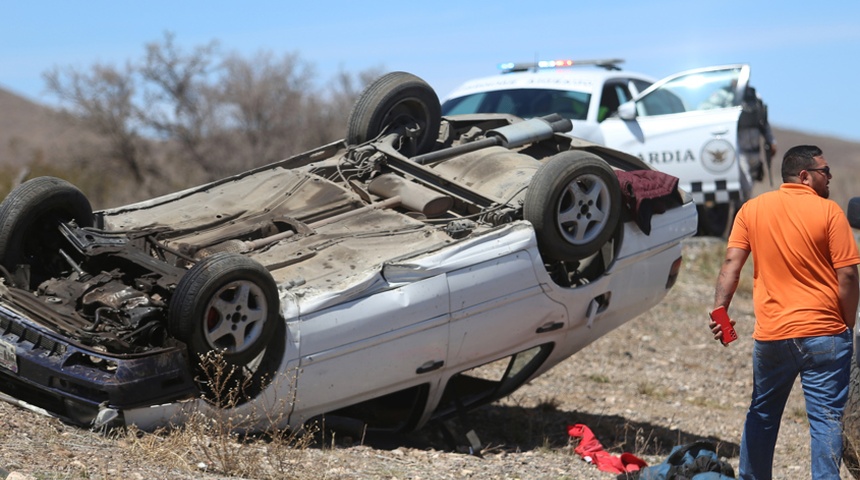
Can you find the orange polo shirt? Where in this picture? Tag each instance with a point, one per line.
(797, 240)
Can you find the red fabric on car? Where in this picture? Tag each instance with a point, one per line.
(646, 192)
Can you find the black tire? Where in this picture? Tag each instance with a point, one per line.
(398, 100)
(851, 424)
(29, 217)
(226, 303)
(574, 204)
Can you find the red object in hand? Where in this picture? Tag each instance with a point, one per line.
(721, 317)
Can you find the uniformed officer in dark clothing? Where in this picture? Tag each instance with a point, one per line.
(752, 126)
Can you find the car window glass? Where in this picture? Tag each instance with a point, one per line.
(461, 105)
(660, 102)
(612, 96)
(623, 93)
(491, 380)
(638, 86)
(698, 91)
(524, 102)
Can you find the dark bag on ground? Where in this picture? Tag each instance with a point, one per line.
(694, 461)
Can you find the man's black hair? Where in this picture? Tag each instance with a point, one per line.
(799, 158)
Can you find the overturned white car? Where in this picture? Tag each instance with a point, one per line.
(421, 267)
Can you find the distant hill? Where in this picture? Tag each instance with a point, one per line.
(841, 155)
(30, 132)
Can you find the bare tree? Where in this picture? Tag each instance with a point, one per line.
(178, 108)
(103, 101)
(177, 94)
(267, 103)
(331, 111)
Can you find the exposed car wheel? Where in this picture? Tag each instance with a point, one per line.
(574, 204)
(29, 217)
(398, 101)
(226, 303)
(851, 424)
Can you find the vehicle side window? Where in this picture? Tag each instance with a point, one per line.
(613, 95)
(491, 381)
(660, 102)
(638, 86)
(698, 91)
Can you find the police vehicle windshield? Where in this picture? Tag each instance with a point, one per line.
(522, 102)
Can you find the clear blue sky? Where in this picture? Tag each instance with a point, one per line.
(804, 55)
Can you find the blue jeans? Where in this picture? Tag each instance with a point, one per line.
(824, 365)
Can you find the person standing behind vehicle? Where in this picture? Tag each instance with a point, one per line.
(752, 126)
(805, 294)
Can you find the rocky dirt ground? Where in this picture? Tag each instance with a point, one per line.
(656, 382)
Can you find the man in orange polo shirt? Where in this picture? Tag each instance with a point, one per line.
(805, 294)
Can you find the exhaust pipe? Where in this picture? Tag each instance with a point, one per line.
(413, 196)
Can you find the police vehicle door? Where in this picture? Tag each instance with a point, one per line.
(687, 125)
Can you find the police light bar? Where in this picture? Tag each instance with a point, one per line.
(508, 67)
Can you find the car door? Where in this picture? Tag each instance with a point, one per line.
(374, 345)
(497, 307)
(687, 126)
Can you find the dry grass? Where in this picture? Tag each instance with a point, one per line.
(213, 441)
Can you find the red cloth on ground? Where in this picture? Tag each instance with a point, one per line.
(592, 451)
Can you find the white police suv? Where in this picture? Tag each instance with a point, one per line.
(689, 124)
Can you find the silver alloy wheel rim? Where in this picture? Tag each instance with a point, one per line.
(583, 209)
(235, 316)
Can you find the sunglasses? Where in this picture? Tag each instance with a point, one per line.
(826, 170)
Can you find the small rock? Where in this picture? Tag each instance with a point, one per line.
(19, 476)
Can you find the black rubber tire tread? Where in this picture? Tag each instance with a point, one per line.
(396, 97)
(714, 220)
(187, 308)
(851, 424)
(28, 218)
(547, 190)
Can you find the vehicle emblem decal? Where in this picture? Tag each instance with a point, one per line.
(718, 155)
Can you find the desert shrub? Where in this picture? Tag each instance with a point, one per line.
(219, 441)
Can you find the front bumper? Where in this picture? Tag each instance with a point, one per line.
(74, 382)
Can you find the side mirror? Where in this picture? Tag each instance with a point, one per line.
(854, 212)
(627, 110)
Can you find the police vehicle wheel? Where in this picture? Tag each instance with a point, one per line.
(226, 303)
(574, 204)
(714, 220)
(29, 220)
(398, 102)
(851, 424)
